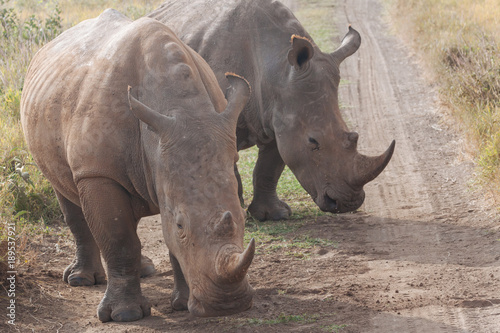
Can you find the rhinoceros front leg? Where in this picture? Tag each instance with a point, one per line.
(265, 204)
(180, 294)
(108, 210)
(86, 269)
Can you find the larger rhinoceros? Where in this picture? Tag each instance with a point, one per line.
(167, 147)
(293, 114)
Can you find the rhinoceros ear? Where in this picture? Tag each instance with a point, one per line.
(302, 51)
(158, 122)
(350, 44)
(237, 95)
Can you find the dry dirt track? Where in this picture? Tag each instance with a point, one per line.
(423, 256)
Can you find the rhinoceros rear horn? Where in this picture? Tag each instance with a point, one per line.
(226, 225)
(367, 168)
(155, 120)
(237, 95)
(238, 264)
(350, 44)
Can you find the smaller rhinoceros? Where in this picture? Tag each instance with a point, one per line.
(166, 146)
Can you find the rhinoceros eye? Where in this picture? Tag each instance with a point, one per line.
(314, 143)
(180, 226)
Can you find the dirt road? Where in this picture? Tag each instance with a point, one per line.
(423, 255)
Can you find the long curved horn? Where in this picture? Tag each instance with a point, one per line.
(368, 168)
(155, 120)
(237, 95)
(237, 264)
(350, 44)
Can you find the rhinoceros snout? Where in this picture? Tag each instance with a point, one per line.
(332, 204)
(221, 307)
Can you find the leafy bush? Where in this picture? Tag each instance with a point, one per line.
(24, 193)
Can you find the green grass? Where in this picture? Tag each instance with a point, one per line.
(282, 237)
(459, 43)
(334, 328)
(284, 319)
(317, 17)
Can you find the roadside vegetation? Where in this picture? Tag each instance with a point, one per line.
(458, 41)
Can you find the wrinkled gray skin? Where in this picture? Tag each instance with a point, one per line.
(293, 114)
(168, 147)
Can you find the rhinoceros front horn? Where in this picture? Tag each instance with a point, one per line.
(368, 168)
(350, 44)
(235, 266)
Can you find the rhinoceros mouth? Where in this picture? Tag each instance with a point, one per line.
(220, 301)
(328, 204)
(333, 204)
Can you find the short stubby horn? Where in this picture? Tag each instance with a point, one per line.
(226, 226)
(233, 268)
(367, 168)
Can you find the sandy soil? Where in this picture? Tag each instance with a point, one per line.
(423, 255)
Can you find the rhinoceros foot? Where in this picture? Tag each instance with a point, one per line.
(269, 210)
(123, 309)
(147, 267)
(179, 301)
(76, 275)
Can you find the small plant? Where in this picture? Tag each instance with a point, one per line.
(284, 319)
(334, 328)
(21, 197)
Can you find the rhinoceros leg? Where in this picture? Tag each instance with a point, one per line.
(180, 294)
(147, 267)
(86, 269)
(265, 204)
(108, 209)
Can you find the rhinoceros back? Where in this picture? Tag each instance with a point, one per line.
(229, 34)
(74, 108)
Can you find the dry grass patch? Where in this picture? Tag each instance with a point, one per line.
(459, 43)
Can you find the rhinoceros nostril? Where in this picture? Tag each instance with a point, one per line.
(330, 204)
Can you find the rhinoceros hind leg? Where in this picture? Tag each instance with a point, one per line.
(180, 294)
(108, 209)
(265, 204)
(86, 269)
(80, 277)
(147, 267)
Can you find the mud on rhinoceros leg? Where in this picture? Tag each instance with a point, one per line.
(86, 269)
(265, 204)
(108, 210)
(180, 294)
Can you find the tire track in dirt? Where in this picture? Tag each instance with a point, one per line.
(427, 218)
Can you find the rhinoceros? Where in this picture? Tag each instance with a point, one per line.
(293, 114)
(115, 154)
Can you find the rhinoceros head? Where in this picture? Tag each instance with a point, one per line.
(202, 219)
(312, 137)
